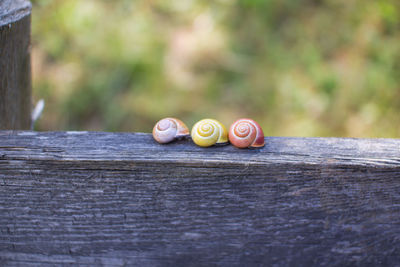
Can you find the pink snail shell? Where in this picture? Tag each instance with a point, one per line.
(169, 129)
(246, 133)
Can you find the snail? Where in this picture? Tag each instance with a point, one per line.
(209, 132)
(169, 129)
(246, 133)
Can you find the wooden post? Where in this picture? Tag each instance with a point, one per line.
(15, 72)
(121, 199)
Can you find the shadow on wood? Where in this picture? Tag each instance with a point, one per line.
(121, 198)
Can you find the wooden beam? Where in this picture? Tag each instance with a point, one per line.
(15, 72)
(94, 198)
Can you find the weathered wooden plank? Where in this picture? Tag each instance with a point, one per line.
(15, 75)
(120, 198)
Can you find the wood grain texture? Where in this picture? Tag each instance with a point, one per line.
(15, 75)
(88, 198)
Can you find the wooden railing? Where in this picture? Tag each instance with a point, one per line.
(121, 199)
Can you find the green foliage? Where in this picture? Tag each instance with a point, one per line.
(304, 68)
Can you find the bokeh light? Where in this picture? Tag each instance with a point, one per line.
(299, 68)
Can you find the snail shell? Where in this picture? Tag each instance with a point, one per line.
(209, 132)
(246, 133)
(169, 129)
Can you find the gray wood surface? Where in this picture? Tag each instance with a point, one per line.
(91, 198)
(15, 72)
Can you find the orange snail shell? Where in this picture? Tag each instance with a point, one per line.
(169, 129)
(246, 133)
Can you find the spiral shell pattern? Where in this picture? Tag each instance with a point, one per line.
(209, 132)
(246, 133)
(169, 129)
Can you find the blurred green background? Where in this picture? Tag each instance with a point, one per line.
(300, 68)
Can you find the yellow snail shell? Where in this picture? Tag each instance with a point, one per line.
(209, 132)
(246, 133)
(169, 129)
